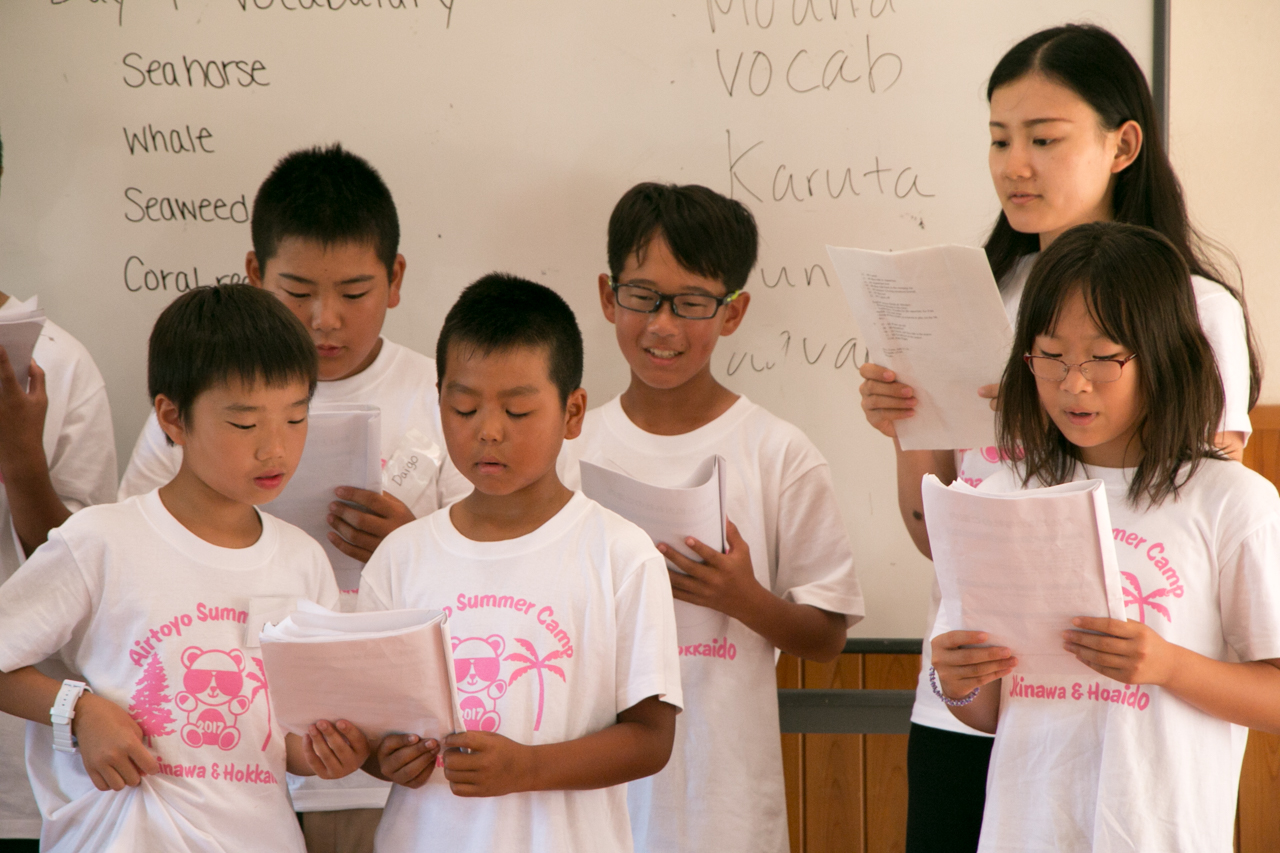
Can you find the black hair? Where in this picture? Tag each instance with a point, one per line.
(1093, 64)
(1134, 284)
(209, 335)
(500, 312)
(709, 235)
(328, 195)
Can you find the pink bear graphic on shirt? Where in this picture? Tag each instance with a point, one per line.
(477, 664)
(212, 697)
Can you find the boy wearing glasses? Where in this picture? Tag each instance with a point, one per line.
(679, 257)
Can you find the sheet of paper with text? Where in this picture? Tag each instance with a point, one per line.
(344, 448)
(386, 672)
(934, 317)
(19, 331)
(1020, 566)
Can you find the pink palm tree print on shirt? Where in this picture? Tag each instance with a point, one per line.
(535, 664)
(1133, 595)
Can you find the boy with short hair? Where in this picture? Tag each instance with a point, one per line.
(560, 611)
(679, 257)
(57, 455)
(150, 599)
(325, 237)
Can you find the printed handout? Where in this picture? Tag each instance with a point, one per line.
(19, 331)
(386, 672)
(1020, 566)
(934, 317)
(668, 515)
(344, 448)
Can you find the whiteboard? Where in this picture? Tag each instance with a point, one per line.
(507, 131)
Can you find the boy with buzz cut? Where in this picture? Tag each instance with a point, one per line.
(168, 742)
(325, 238)
(563, 633)
(679, 257)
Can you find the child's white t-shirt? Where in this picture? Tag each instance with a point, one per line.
(154, 617)
(415, 469)
(79, 447)
(402, 384)
(723, 787)
(1222, 320)
(554, 633)
(1090, 764)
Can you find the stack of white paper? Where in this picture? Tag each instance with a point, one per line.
(19, 331)
(934, 317)
(386, 672)
(668, 515)
(1020, 566)
(344, 448)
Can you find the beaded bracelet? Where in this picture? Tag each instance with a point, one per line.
(947, 700)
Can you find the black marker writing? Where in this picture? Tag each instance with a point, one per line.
(149, 140)
(193, 72)
(170, 209)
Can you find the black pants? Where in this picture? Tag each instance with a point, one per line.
(946, 788)
(19, 845)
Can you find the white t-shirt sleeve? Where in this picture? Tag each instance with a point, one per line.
(375, 581)
(153, 463)
(815, 557)
(43, 606)
(82, 466)
(1249, 594)
(647, 659)
(1222, 319)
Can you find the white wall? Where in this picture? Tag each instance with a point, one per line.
(1225, 143)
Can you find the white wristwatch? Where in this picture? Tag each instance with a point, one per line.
(63, 711)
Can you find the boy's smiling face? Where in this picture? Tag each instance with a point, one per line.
(665, 351)
(502, 417)
(241, 441)
(341, 293)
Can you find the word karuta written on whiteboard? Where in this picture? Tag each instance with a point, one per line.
(758, 69)
(287, 6)
(140, 277)
(749, 171)
(816, 353)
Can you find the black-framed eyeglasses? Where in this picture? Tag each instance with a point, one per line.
(1097, 370)
(690, 306)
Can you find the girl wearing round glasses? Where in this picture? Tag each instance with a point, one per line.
(1073, 140)
(1123, 387)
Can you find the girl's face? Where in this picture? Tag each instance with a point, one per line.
(1099, 418)
(1052, 162)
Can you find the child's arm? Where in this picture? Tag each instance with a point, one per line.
(727, 582)
(1247, 693)
(960, 671)
(358, 533)
(638, 745)
(33, 502)
(328, 750)
(110, 741)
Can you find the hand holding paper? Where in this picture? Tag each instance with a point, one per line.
(934, 317)
(344, 448)
(667, 515)
(1021, 566)
(385, 672)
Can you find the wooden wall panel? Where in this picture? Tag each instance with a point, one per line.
(789, 676)
(885, 770)
(833, 783)
(1258, 820)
